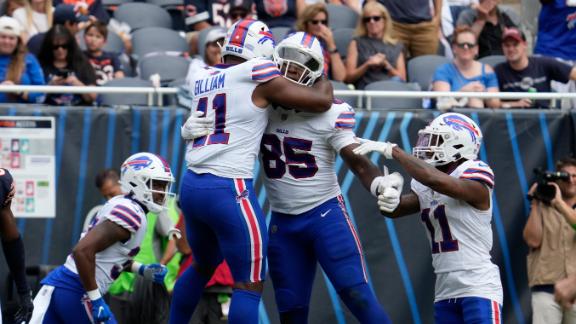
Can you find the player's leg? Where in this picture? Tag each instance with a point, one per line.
(292, 266)
(243, 239)
(448, 311)
(478, 310)
(196, 199)
(340, 255)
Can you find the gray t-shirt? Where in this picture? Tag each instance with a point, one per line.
(369, 46)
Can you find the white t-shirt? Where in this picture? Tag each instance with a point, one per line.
(39, 22)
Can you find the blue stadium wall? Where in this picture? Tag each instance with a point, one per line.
(397, 252)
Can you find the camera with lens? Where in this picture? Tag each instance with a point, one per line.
(546, 192)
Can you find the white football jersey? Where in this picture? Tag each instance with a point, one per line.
(461, 238)
(110, 262)
(298, 152)
(225, 92)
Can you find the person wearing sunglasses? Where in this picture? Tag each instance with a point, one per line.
(374, 55)
(64, 64)
(465, 74)
(551, 238)
(314, 21)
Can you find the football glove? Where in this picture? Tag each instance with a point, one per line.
(197, 126)
(367, 146)
(155, 272)
(100, 311)
(25, 308)
(389, 200)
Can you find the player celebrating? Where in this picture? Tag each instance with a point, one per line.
(13, 248)
(452, 190)
(73, 292)
(310, 224)
(223, 218)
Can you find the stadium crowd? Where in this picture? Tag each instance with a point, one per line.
(470, 45)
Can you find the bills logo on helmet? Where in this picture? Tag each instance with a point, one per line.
(137, 163)
(266, 36)
(459, 123)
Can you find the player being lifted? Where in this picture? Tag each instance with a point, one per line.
(223, 218)
(309, 222)
(73, 292)
(452, 190)
(13, 248)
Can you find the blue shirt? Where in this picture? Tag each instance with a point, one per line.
(450, 74)
(32, 75)
(557, 31)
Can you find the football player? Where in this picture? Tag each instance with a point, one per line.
(13, 248)
(452, 190)
(72, 293)
(222, 215)
(309, 223)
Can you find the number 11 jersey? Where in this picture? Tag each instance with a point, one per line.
(225, 92)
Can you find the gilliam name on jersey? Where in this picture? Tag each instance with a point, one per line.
(212, 83)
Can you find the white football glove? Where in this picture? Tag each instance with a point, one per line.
(389, 200)
(197, 126)
(367, 146)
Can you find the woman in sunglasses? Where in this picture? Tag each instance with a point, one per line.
(374, 55)
(64, 64)
(314, 21)
(465, 73)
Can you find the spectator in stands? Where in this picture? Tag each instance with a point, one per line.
(457, 6)
(488, 22)
(557, 36)
(16, 65)
(9, 6)
(107, 65)
(521, 73)
(93, 8)
(35, 17)
(415, 24)
(279, 13)
(565, 291)
(209, 52)
(201, 14)
(374, 55)
(64, 64)
(314, 21)
(465, 73)
(107, 182)
(551, 237)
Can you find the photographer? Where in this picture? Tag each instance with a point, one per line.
(551, 236)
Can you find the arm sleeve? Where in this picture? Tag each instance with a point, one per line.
(442, 74)
(36, 76)
(557, 71)
(481, 173)
(264, 71)
(342, 129)
(126, 217)
(491, 80)
(15, 257)
(116, 64)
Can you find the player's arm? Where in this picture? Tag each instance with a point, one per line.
(285, 93)
(473, 192)
(97, 239)
(360, 165)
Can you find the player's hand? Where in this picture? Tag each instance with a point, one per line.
(389, 200)
(367, 146)
(197, 126)
(25, 308)
(100, 311)
(155, 272)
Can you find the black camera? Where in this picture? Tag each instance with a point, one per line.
(546, 192)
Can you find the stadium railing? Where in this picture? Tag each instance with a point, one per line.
(159, 92)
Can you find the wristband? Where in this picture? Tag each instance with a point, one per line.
(135, 268)
(94, 294)
(334, 51)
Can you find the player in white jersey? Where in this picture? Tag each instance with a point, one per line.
(73, 292)
(452, 190)
(223, 218)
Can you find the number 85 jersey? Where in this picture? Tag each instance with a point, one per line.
(298, 153)
(225, 92)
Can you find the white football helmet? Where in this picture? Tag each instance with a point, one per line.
(449, 137)
(248, 39)
(145, 174)
(304, 51)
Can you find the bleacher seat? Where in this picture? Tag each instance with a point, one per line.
(340, 16)
(140, 15)
(421, 69)
(279, 33)
(169, 67)
(157, 39)
(110, 99)
(342, 38)
(394, 103)
(351, 100)
(493, 60)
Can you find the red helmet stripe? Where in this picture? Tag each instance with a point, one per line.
(240, 31)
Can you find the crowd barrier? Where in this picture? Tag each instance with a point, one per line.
(397, 252)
